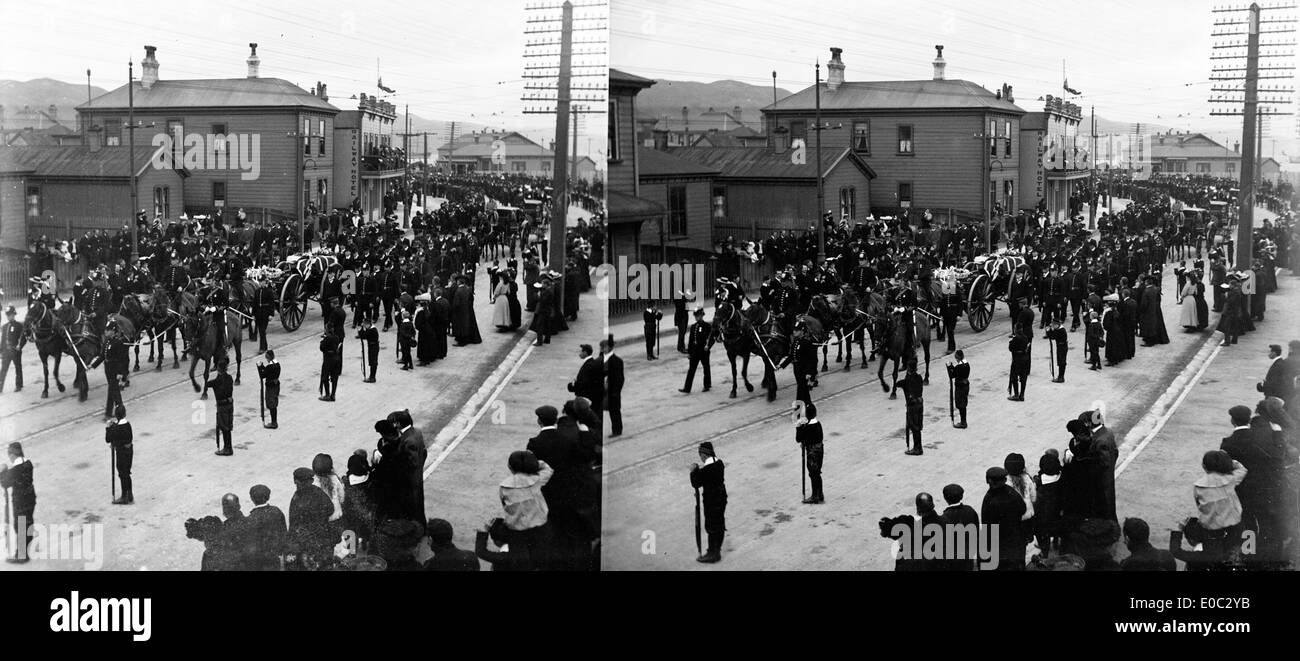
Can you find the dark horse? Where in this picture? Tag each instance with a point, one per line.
(56, 332)
(898, 344)
(752, 332)
(202, 342)
(842, 317)
(152, 314)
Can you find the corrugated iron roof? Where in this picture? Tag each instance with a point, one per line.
(899, 95)
(652, 162)
(213, 93)
(73, 161)
(756, 163)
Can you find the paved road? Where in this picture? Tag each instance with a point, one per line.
(649, 502)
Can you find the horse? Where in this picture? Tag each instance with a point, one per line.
(771, 342)
(43, 327)
(202, 343)
(841, 317)
(151, 314)
(79, 341)
(898, 345)
(738, 337)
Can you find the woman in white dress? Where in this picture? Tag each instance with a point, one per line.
(501, 305)
(1187, 305)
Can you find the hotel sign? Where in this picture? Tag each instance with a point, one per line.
(354, 164)
(1039, 172)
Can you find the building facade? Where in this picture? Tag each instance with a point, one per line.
(938, 144)
(628, 211)
(499, 151)
(252, 143)
(367, 166)
(1054, 158)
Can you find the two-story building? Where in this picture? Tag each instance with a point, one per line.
(628, 210)
(496, 151)
(366, 164)
(938, 144)
(1054, 158)
(253, 142)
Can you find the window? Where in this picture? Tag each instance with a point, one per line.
(1232, 168)
(862, 137)
(848, 203)
(162, 201)
(905, 194)
(112, 132)
(905, 142)
(1202, 168)
(306, 137)
(993, 137)
(1008, 194)
(677, 211)
(33, 202)
(218, 194)
(321, 134)
(518, 166)
(719, 203)
(176, 129)
(322, 192)
(219, 138)
(1007, 134)
(306, 196)
(613, 150)
(798, 131)
(546, 166)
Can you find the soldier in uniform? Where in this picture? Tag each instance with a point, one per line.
(950, 311)
(13, 337)
(651, 317)
(808, 433)
(269, 372)
(331, 349)
(913, 393)
(264, 306)
(680, 318)
(1057, 335)
(367, 297)
(390, 288)
(699, 343)
(370, 336)
(1053, 292)
(120, 438)
(1019, 291)
(731, 292)
(335, 317)
(223, 389)
(959, 372)
(115, 359)
(709, 475)
(1077, 287)
(1019, 349)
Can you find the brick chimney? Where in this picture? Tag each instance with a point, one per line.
(1236, 147)
(939, 64)
(148, 68)
(735, 112)
(834, 70)
(254, 62)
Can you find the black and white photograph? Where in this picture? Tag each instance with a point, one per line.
(1017, 277)
(307, 286)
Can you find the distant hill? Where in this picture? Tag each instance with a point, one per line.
(667, 97)
(41, 93)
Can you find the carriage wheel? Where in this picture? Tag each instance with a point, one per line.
(980, 302)
(292, 307)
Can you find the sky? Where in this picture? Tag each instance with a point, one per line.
(1135, 61)
(461, 61)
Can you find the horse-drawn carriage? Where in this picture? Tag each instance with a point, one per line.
(298, 281)
(980, 285)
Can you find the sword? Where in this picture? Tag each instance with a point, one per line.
(363, 359)
(261, 395)
(1051, 357)
(698, 547)
(951, 386)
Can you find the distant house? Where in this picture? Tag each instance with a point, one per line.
(1270, 170)
(738, 137)
(685, 188)
(1193, 153)
(496, 151)
(52, 136)
(686, 130)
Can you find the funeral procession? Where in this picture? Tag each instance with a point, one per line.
(930, 301)
(295, 327)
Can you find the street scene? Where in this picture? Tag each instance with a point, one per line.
(958, 311)
(253, 324)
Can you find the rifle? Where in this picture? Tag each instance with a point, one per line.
(363, 360)
(8, 525)
(699, 548)
(951, 386)
(112, 470)
(261, 393)
(796, 415)
(1051, 356)
(656, 337)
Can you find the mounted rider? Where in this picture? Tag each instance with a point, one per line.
(729, 291)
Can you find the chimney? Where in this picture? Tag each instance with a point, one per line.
(1008, 97)
(834, 70)
(1236, 147)
(323, 95)
(148, 68)
(735, 112)
(253, 61)
(939, 64)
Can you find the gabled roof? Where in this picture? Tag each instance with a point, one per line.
(624, 208)
(756, 163)
(623, 79)
(899, 95)
(517, 144)
(212, 93)
(73, 161)
(652, 162)
(1195, 145)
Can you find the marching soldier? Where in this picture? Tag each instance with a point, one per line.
(389, 288)
(406, 338)
(1060, 344)
(1053, 296)
(710, 476)
(959, 372)
(952, 308)
(803, 355)
(913, 392)
(370, 336)
(1077, 287)
(331, 349)
(13, 337)
(367, 297)
(115, 358)
(335, 317)
(223, 389)
(731, 292)
(808, 434)
(651, 317)
(263, 307)
(1019, 349)
(269, 372)
(699, 343)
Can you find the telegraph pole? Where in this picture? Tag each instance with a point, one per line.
(406, 170)
(817, 160)
(573, 153)
(1092, 176)
(1250, 101)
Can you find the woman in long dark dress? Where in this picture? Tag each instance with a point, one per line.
(463, 322)
(516, 313)
(1152, 320)
(1230, 321)
(1202, 308)
(424, 348)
